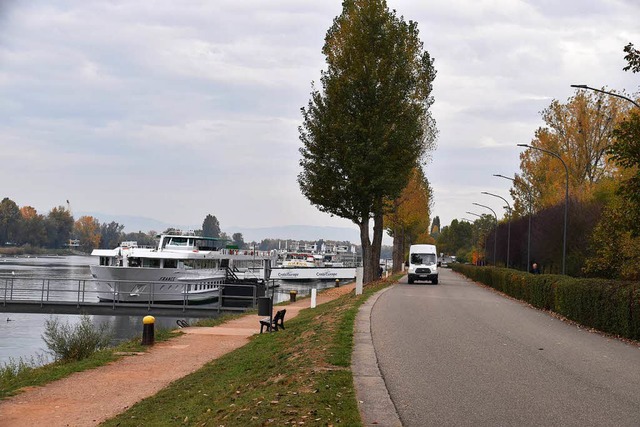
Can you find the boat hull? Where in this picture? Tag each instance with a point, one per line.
(313, 273)
(144, 285)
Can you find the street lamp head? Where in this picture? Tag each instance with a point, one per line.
(524, 145)
(502, 176)
(580, 86)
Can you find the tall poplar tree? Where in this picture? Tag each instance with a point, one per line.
(211, 226)
(369, 125)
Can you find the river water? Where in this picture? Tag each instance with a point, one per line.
(21, 334)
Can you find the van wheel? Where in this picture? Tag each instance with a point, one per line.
(434, 281)
(411, 280)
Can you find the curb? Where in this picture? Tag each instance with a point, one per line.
(374, 403)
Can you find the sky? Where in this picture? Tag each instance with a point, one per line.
(175, 110)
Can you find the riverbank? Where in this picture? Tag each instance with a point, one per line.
(12, 251)
(300, 373)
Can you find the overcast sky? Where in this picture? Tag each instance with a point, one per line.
(174, 110)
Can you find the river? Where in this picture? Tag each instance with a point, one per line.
(21, 334)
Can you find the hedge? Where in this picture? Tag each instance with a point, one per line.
(607, 305)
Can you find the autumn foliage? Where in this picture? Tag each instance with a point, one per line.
(407, 217)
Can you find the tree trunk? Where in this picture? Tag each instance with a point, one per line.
(376, 246)
(366, 250)
(398, 249)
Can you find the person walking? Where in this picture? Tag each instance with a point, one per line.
(534, 268)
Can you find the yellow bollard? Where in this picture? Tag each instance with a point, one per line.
(337, 282)
(292, 296)
(148, 334)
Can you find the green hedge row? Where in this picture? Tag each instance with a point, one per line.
(607, 305)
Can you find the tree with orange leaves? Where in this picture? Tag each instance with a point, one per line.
(407, 217)
(580, 131)
(32, 227)
(87, 230)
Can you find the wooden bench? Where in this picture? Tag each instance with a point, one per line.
(275, 323)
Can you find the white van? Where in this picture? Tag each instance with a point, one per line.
(423, 263)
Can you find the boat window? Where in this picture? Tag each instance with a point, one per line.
(190, 264)
(170, 263)
(150, 263)
(178, 241)
(134, 262)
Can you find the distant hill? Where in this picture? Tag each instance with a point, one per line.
(295, 232)
(133, 224)
(298, 232)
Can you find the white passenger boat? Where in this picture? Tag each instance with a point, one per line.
(313, 273)
(319, 266)
(181, 268)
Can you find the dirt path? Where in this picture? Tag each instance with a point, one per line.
(91, 397)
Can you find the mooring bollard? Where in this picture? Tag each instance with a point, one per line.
(148, 335)
(292, 296)
(337, 282)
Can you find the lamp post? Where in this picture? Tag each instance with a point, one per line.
(508, 223)
(495, 231)
(530, 214)
(485, 239)
(566, 199)
(608, 93)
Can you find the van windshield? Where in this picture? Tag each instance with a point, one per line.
(423, 258)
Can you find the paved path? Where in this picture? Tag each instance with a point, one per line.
(458, 354)
(91, 397)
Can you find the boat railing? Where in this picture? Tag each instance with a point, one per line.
(83, 291)
(247, 252)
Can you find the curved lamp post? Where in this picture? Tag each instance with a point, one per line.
(566, 199)
(495, 230)
(530, 214)
(608, 93)
(485, 240)
(508, 223)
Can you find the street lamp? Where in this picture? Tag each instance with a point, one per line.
(530, 214)
(508, 223)
(495, 232)
(566, 199)
(485, 239)
(608, 93)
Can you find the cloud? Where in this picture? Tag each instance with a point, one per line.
(174, 111)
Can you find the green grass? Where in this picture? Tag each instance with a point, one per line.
(17, 374)
(299, 375)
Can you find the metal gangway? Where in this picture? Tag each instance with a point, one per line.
(50, 295)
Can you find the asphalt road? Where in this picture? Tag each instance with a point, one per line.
(458, 354)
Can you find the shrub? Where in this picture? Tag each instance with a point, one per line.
(75, 342)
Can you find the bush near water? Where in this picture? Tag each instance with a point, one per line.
(610, 306)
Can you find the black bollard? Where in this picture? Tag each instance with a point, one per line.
(148, 335)
(292, 296)
(337, 282)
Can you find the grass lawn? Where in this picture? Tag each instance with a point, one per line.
(299, 376)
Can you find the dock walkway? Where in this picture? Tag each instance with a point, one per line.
(91, 397)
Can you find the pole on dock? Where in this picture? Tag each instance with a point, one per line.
(148, 334)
